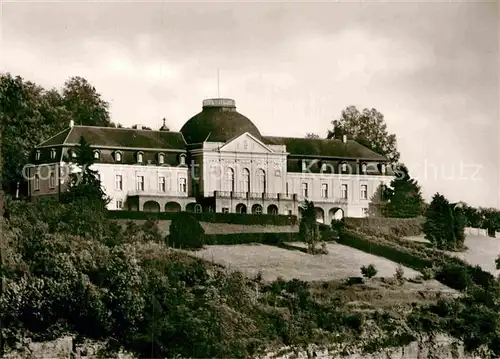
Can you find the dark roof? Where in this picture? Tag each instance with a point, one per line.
(324, 148)
(119, 137)
(217, 124)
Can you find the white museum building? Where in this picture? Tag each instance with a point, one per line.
(218, 161)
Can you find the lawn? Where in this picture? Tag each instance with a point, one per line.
(481, 250)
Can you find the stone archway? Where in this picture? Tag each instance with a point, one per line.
(151, 206)
(272, 209)
(336, 214)
(172, 207)
(257, 209)
(241, 208)
(320, 214)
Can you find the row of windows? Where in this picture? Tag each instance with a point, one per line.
(117, 155)
(325, 193)
(162, 184)
(344, 167)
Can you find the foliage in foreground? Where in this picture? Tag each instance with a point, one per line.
(124, 287)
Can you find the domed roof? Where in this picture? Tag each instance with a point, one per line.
(217, 122)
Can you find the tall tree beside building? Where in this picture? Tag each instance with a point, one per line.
(309, 228)
(403, 196)
(85, 104)
(368, 128)
(445, 224)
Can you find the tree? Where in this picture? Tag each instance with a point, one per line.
(369, 272)
(185, 232)
(312, 135)
(85, 104)
(309, 229)
(367, 128)
(445, 223)
(404, 198)
(85, 183)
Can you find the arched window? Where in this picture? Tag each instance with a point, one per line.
(261, 175)
(197, 208)
(96, 154)
(182, 159)
(118, 156)
(139, 157)
(363, 168)
(382, 168)
(343, 167)
(161, 158)
(245, 180)
(230, 179)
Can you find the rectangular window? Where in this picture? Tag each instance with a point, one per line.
(324, 190)
(182, 185)
(344, 191)
(119, 204)
(225, 210)
(364, 191)
(304, 189)
(162, 184)
(36, 184)
(118, 182)
(140, 183)
(52, 180)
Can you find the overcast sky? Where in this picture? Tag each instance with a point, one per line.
(430, 68)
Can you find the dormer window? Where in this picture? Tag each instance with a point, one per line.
(161, 158)
(343, 167)
(323, 167)
(118, 156)
(304, 165)
(382, 168)
(182, 159)
(52, 153)
(140, 156)
(363, 168)
(97, 154)
(37, 155)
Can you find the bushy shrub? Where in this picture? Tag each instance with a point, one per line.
(247, 238)
(185, 232)
(454, 275)
(369, 271)
(399, 275)
(428, 273)
(400, 227)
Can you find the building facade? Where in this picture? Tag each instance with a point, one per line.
(218, 161)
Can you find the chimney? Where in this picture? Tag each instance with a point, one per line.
(344, 138)
(71, 123)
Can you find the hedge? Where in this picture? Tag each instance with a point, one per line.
(245, 238)
(418, 257)
(213, 217)
(400, 227)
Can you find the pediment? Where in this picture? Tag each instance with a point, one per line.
(245, 143)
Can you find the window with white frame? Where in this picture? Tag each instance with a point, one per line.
(118, 182)
(162, 184)
(37, 156)
(323, 167)
(304, 165)
(305, 190)
(118, 156)
(344, 191)
(161, 158)
(182, 159)
(343, 167)
(382, 168)
(230, 179)
(119, 204)
(197, 208)
(52, 153)
(52, 180)
(363, 168)
(245, 180)
(182, 185)
(96, 155)
(36, 182)
(324, 190)
(140, 157)
(140, 183)
(261, 174)
(364, 191)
